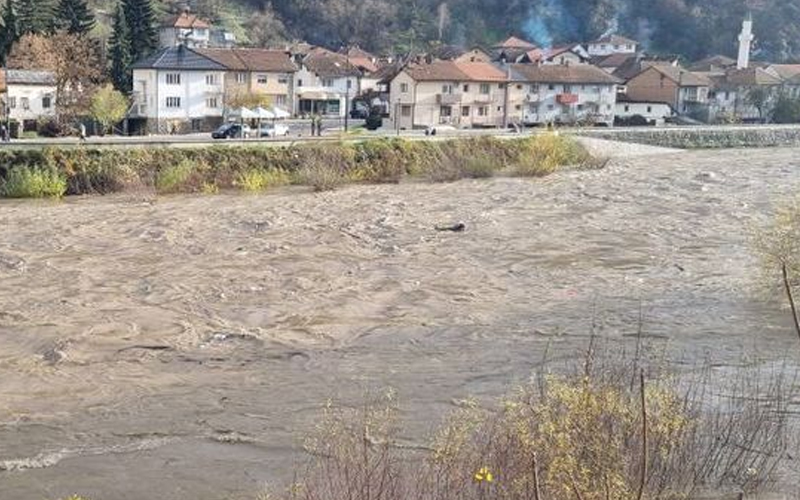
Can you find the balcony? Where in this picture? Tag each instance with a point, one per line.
(448, 99)
(483, 99)
(567, 98)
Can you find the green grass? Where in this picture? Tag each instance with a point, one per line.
(30, 182)
(175, 178)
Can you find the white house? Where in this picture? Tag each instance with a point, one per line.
(611, 44)
(27, 96)
(325, 83)
(654, 112)
(177, 90)
(562, 94)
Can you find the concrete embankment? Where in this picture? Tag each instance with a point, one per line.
(705, 137)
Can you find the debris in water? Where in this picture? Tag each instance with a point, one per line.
(456, 228)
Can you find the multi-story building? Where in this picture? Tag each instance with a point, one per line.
(685, 91)
(326, 83)
(185, 29)
(743, 95)
(561, 94)
(471, 94)
(177, 90)
(256, 75)
(27, 96)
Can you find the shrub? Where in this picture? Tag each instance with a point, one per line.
(254, 179)
(29, 182)
(184, 176)
(546, 153)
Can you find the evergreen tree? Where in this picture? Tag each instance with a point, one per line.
(141, 22)
(120, 51)
(10, 32)
(33, 16)
(74, 16)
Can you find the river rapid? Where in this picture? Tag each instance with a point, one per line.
(179, 347)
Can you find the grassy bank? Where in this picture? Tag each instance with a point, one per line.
(55, 172)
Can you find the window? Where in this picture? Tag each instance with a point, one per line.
(173, 78)
(627, 108)
(466, 88)
(405, 110)
(327, 82)
(518, 107)
(465, 111)
(447, 89)
(26, 104)
(283, 80)
(535, 88)
(649, 109)
(211, 103)
(197, 125)
(173, 102)
(349, 84)
(261, 79)
(299, 83)
(580, 107)
(550, 107)
(404, 88)
(485, 88)
(280, 100)
(12, 102)
(482, 111)
(551, 87)
(47, 102)
(241, 77)
(211, 79)
(446, 111)
(567, 89)
(519, 86)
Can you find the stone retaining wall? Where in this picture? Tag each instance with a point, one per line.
(705, 137)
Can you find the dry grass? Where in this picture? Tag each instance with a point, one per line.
(575, 436)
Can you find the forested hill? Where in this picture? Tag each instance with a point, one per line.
(690, 28)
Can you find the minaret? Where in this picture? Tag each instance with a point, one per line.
(745, 40)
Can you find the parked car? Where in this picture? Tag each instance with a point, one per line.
(359, 114)
(232, 131)
(374, 121)
(274, 130)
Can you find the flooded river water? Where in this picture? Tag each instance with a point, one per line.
(177, 348)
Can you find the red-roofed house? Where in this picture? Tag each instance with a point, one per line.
(185, 28)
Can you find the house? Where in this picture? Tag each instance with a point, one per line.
(743, 95)
(564, 55)
(612, 63)
(653, 113)
(256, 73)
(561, 94)
(177, 89)
(612, 44)
(465, 94)
(27, 96)
(458, 54)
(188, 29)
(511, 49)
(683, 90)
(783, 71)
(713, 65)
(326, 83)
(184, 28)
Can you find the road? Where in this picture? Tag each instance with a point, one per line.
(332, 131)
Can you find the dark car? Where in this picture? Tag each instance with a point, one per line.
(359, 114)
(231, 131)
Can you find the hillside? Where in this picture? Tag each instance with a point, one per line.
(692, 28)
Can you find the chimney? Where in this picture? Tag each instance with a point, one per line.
(745, 41)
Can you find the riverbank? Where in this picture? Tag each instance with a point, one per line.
(55, 172)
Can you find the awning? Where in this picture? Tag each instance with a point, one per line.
(243, 113)
(263, 113)
(281, 113)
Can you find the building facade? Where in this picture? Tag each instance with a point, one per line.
(27, 97)
(177, 90)
(611, 44)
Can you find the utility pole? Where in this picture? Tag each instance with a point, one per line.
(347, 90)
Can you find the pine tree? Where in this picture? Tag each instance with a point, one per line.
(74, 16)
(141, 21)
(33, 16)
(10, 32)
(120, 51)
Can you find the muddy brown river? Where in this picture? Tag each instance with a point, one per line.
(178, 348)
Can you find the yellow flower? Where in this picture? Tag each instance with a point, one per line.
(484, 474)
